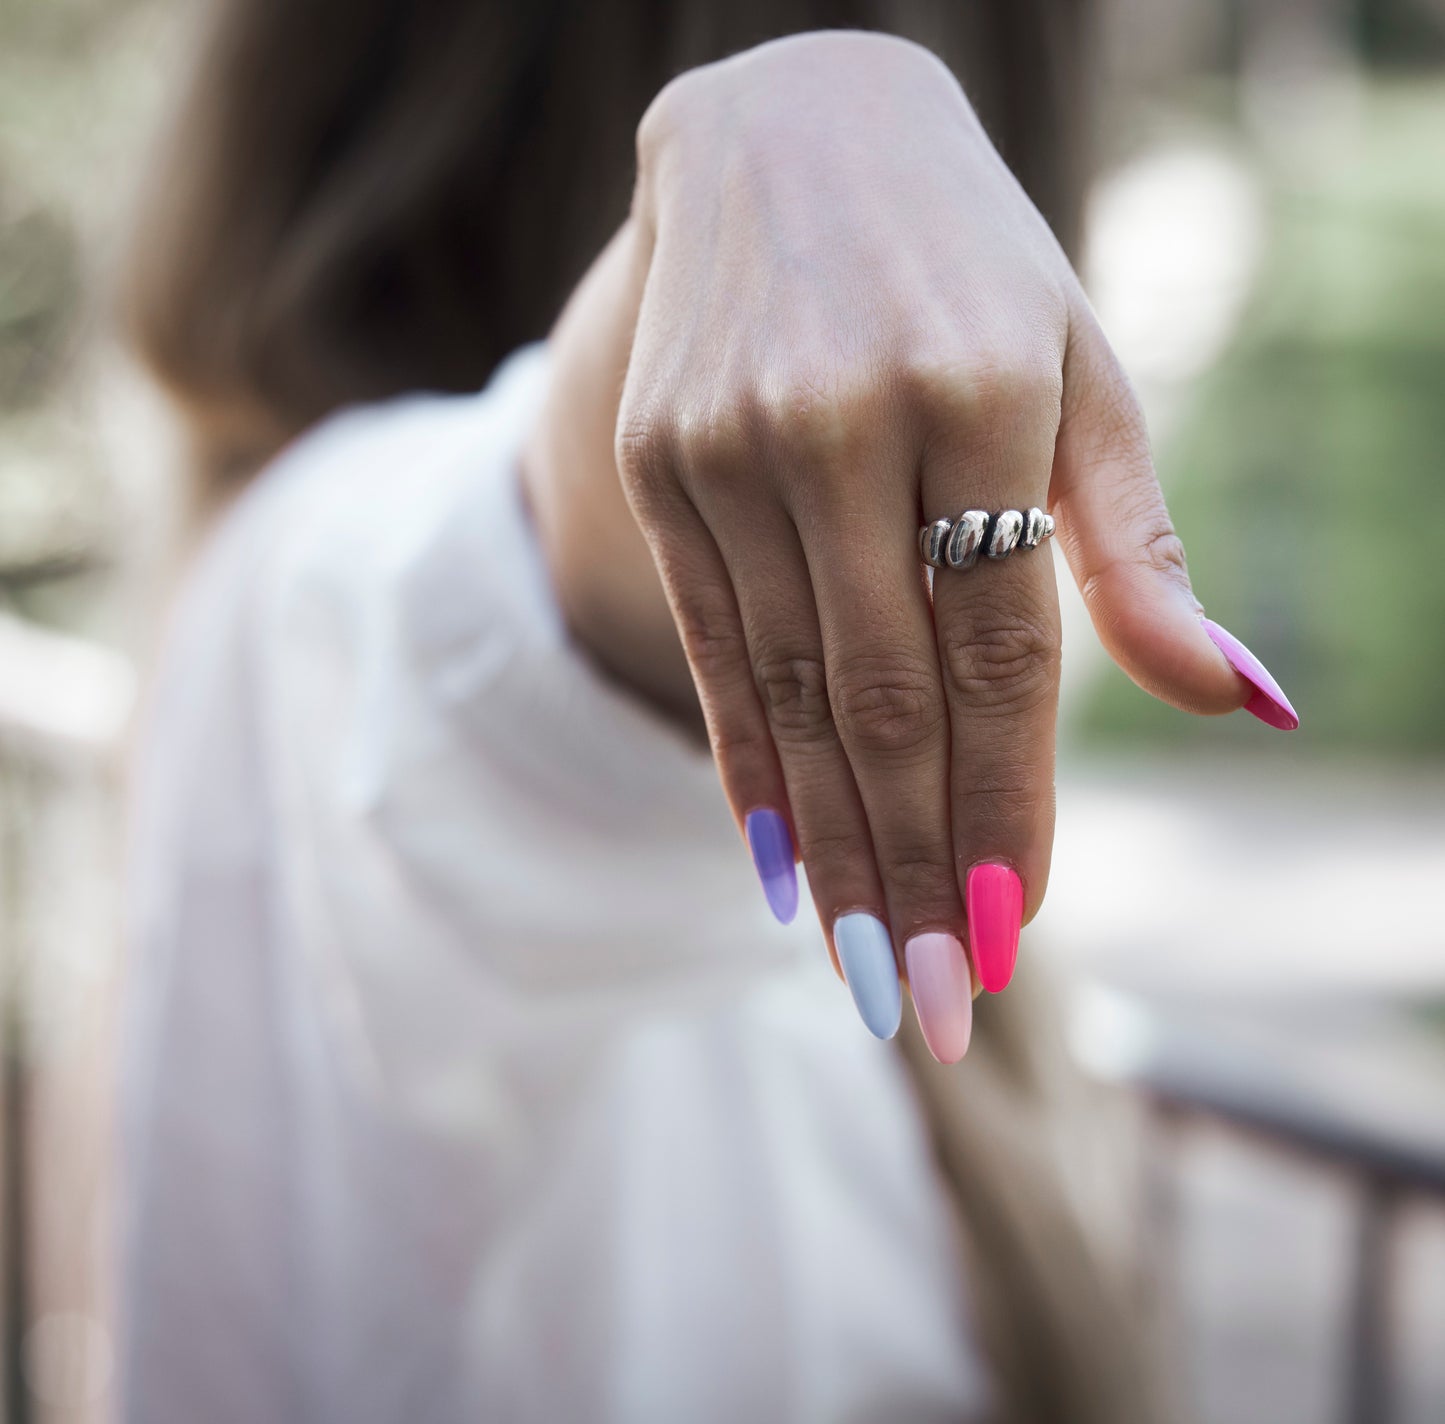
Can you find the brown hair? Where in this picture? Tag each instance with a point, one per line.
(366, 197)
(363, 197)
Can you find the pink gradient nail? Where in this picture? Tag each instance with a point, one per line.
(942, 993)
(1268, 701)
(994, 900)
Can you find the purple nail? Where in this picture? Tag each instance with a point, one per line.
(1268, 703)
(772, 848)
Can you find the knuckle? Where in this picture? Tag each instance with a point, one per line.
(1003, 799)
(694, 451)
(887, 707)
(985, 388)
(817, 410)
(1002, 665)
(735, 743)
(646, 444)
(710, 635)
(1162, 550)
(838, 846)
(713, 437)
(1003, 781)
(1153, 543)
(921, 876)
(715, 651)
(794, 690)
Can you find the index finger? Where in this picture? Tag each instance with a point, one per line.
(997, 626)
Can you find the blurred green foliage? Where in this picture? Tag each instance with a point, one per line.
(78, 82)
(1306, 474)
(38, 287)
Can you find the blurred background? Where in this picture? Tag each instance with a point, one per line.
(1266, 246)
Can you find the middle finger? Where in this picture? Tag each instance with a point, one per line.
(886, 691)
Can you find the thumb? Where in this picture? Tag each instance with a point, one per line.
(1126, 558)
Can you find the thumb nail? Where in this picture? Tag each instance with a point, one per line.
(1268, 701)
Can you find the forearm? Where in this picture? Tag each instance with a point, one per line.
(603, 574)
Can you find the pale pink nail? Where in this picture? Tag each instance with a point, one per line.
(942, 993)
(1268, 701)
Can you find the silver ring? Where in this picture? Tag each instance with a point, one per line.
(957, 543)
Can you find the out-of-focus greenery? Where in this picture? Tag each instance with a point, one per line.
(1308, 473)
(78, 82)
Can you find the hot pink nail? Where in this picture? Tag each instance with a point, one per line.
(1268, 701)
(942, 993)
(994, 899)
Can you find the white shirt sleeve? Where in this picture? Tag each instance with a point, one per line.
(461, 1042)
(482, 844)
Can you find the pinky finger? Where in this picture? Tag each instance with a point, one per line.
(705, 610)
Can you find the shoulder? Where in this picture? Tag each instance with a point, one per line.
(377, 607)
(325, 543)
(306, 578)
(354, 496)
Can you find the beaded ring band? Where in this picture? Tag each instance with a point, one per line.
(957, 543)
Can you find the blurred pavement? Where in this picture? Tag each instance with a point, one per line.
(1290, 916)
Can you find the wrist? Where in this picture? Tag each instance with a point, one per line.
(788, 99)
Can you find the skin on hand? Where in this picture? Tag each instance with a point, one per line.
(833, 316)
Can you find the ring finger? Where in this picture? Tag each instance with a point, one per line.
(997, 626)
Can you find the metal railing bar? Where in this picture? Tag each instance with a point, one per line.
(1306, 1129)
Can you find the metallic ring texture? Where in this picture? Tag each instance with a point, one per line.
(957, 543)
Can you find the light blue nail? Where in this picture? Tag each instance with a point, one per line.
(865, 950)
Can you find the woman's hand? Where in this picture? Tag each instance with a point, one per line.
(841, 318)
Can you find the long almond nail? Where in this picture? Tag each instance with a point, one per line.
(994, 901)
(942, 993)
(772, 846)
(1268, 701)
(865, 950)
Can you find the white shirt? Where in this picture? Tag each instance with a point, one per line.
(468, 1076)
